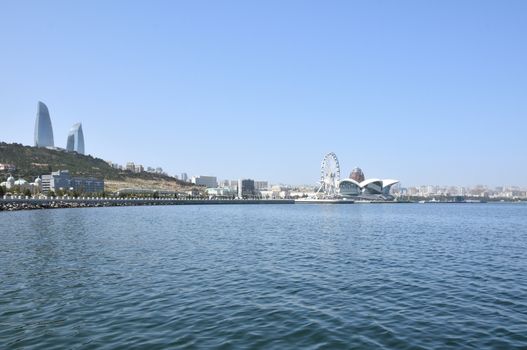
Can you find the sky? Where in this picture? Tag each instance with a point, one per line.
(427, 92)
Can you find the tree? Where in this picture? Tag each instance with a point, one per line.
(2, 190)
(27, 192)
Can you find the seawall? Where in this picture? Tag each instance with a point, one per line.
(11, 204)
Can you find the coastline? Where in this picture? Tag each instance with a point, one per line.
(16, 204)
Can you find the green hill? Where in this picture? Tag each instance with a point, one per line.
(32, 162)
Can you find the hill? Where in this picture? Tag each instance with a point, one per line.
(32, 162)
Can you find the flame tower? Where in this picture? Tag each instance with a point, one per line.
(43, 128)
(75, 139)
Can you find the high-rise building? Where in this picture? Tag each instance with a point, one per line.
(43, 129)
(75, 139)
(184, 177)
(246, 188)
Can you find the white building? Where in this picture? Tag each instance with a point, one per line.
(130, 166)
(261, 185)
(7, 167)
(369, 187)
(220, 192)
(10, 183)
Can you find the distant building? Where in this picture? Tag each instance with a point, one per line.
(261, 185)
(221, 192)
(43, 128)
(357, 175)
(157, 170)
(22, 184)
(130, 166)
(278, 191)
(62, 180)
(10, 183)
(75, 141)
(367, 189)
(114, 165)
(372, 186)
(36, 187)
(207, 181)
(87, 185)
(349, 188)
(138, 168)
(184, 177)
(246, 188)
(56, 180)
(7, 167)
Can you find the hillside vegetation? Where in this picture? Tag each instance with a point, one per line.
(32, 162)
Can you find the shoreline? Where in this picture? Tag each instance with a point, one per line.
(17, 204)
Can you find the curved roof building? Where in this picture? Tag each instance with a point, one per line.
(371, 186)
(349, 188)
(75, 139)
(370, 189)
(387, 186)
(43, 129)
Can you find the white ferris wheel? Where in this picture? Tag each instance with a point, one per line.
(329, 176)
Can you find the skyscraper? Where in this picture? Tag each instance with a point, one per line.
(43, 129)
(75, 139)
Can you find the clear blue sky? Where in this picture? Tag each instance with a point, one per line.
(428, 92)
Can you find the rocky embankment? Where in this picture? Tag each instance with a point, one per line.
(29, 204)
(58, 205)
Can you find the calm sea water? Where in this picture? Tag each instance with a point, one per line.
(417, 276)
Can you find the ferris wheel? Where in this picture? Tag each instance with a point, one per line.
(329, 175)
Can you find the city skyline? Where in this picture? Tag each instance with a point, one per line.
(265, 90)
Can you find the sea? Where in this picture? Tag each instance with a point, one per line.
(359, 276)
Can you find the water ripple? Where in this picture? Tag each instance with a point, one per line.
(270, 277)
